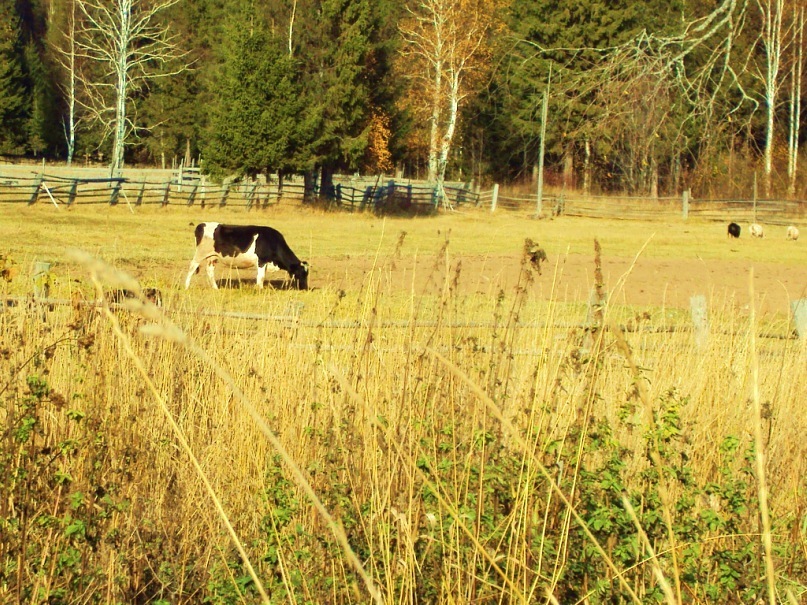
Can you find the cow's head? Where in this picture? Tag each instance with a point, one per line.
(299, 275)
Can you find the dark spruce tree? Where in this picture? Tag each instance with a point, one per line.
(343, 51)
(14, 108)
(259, 120)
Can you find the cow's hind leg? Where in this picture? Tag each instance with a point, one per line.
(193, 269)
(210, 269)
(261, 275)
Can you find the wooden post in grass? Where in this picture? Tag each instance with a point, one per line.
(192, 194)
(35, 192)
(115, 194)
(167, 192)
(224, 194)
(700, 320)
(685, 204)
(799, 307)
(71, 196)
(495, 197)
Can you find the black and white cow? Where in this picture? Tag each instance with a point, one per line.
(245, 246)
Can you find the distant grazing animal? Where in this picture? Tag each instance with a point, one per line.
(245, 246)
(792, 233)
(756, 230)
(734, 230)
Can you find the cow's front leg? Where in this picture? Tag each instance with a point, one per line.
(261, 275)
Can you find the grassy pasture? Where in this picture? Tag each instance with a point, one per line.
(472, 442)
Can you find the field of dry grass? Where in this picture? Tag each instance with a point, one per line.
(425, 430)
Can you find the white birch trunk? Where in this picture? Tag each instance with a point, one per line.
(448, 135)
(71, 87)
(587, 168)
(291, 27)
(795, 104)
(434, 133)
(772, 36)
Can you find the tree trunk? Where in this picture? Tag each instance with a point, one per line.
(71, 88)
(326, 187)
(587, 168)
(434, 135)
(772, 36)
(568, 168)
(448, 136)
(795, 104)
(122, 73)
(309, 186)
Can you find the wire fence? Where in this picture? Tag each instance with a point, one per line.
(767, 211)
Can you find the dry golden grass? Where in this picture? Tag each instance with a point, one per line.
(463, 444)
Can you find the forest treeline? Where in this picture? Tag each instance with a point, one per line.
(648, 97)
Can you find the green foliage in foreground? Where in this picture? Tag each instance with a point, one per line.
(478, 515)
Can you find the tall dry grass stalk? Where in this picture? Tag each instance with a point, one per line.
(465, 448)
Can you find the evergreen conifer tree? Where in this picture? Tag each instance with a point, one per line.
(13, 106)
(259, 120)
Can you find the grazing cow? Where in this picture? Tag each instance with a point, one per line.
(245, 246)
(793, 233)
(756, 230)
(734, 230)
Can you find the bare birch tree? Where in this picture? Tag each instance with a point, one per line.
(772, 39)
(124, 46)
(639, 100)
(447, 55)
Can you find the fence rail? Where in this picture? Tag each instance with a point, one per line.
(769, 211)
(389, 196)
(356, 194)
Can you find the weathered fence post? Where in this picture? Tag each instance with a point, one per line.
(224, 194)
(799, 307)
(685, 204)
(192, 194)
(251, 194)
(495, 198)
(41, 279)
(139, 200)
(71, 197)
(37, 187)
(115, 194)
(700, 320)
(166, 193)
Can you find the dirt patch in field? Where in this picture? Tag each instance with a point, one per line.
(648, 282)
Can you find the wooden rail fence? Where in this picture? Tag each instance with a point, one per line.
(189, 187)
